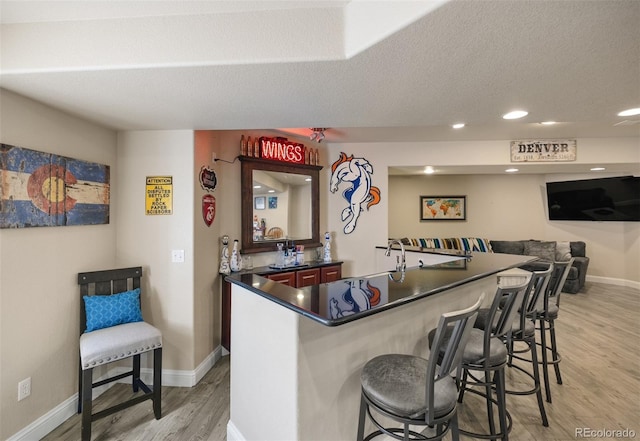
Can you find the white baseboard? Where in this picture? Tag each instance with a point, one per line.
(58, 415)
(613, 281)
(49, 421)
(233, 434)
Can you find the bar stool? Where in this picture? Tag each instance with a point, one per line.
(545, 318)
(412, 390)
(486, 352)
(523, 331)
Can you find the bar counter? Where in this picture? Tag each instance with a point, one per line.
(298, 353)
(326, 304)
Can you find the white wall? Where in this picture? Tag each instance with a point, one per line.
(613, 247)
(511, 207)
(39, 295)
(148, 240)
(206, 292)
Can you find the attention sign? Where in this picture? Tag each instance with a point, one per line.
(159, 194)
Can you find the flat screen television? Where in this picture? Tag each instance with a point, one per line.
(603, 199)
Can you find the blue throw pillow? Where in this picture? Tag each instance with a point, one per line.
(116, 309)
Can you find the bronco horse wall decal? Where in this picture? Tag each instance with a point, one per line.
(358, 172)
(355, 296)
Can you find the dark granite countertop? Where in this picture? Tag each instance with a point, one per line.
(350, 299)
(265, 270)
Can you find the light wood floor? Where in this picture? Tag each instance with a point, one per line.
(598, 336)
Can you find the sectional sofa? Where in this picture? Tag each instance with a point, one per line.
(545, 250)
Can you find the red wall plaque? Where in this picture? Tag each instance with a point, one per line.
(208, 209)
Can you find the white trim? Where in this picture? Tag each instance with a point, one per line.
(612, 281)
(233, 434)
(207, 364)
(49, 421)
(68, 408)
(178, 378)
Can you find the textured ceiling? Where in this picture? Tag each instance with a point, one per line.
(369, 70)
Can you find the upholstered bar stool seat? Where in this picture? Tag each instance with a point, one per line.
(474, 350)
(117, 342)
(552, 311)
(529, 328)
(396, 383)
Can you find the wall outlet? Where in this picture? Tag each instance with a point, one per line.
(24, 388)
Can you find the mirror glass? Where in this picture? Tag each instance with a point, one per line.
(279, 202)
(281, 206)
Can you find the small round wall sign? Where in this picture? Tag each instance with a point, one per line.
(208, 179)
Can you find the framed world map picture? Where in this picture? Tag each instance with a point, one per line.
(443, 208)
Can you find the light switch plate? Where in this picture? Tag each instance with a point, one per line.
(177, 256)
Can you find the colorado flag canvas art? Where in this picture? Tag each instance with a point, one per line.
(40, 189)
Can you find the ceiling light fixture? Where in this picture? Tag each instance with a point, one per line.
(458, 126)
(317, 134)
(429, 170)
(548, 123)
(511, 170)
(515, 114)
(630, 112)
(597, 169)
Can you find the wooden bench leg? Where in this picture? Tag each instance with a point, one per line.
(135, 380)
(157, 383)
(87, 379)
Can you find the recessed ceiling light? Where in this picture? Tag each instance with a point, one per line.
(597, 169)
(429, 170)
(257, 186)
(548, 123)
(271, 191)
(630, 112)
(458, 126)
(511, 170)
(515, 114)
(308, 180)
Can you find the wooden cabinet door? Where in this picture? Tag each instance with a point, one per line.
(226, 315)
(288, 278)
(330, 273)
(307, 277)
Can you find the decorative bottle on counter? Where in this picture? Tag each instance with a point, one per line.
(235, 257)
(280, 256)
(327, 247)
(224, 257)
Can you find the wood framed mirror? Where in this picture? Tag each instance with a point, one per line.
(280, 201)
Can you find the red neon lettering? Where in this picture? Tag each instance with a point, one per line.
(285, 151)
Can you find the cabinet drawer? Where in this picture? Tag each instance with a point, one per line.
(307, 277)
(288, 278)
(330, 273)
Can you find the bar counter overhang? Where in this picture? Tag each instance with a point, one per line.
(297, 353)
